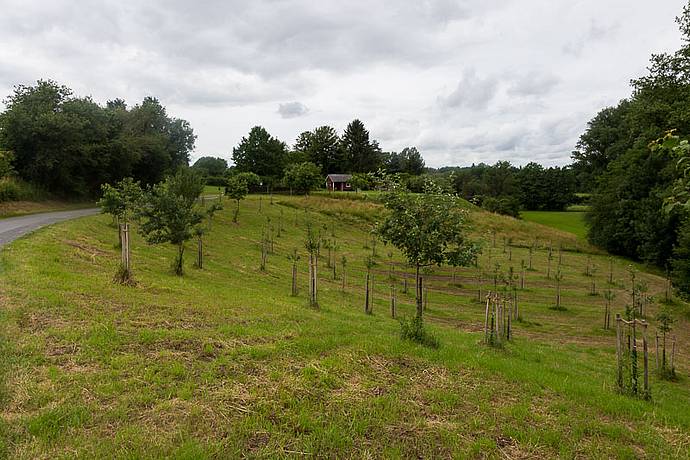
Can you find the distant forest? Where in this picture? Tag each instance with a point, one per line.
(69, 146)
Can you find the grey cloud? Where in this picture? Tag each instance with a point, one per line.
(292, 109)
(464, 80)
(533, 84)
(473, 92)
(594, 33)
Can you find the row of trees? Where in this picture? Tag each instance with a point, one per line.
(71, 145)
(631, 181)
(505, 188)
(167, 212)
(353, 152)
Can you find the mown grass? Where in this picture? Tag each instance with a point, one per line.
(224, 363)
(568, 221)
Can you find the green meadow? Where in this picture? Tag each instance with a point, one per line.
(568, 221)
(224, 363)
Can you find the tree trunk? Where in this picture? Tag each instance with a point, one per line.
(418, 283)
(393, 306)
(178, 261)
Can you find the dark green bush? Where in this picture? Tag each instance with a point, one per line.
(508, 206)
(216, 181)
(12, 189)
(413, 329)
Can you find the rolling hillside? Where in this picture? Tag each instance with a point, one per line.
(224, 362)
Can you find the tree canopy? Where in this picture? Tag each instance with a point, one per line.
(71, 145)
(632, 181)
(428, 228)
(211, 166)
(261, 154)
(322, 147)
(359, 152)
(169, 213)
(303, 177)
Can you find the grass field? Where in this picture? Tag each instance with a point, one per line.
(568, 221)
(224, 363)
(212, 190)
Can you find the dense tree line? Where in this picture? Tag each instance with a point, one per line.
(71, 145)
(507, 189)
(352, 152)
(631, 180)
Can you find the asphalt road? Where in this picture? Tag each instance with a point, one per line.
(14, 227)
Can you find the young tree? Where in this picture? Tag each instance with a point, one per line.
(665, 321)
(237, 188)
(312, 244)
(202, 229)
(368, 300)
(169, 212)
(294, 258)
(121, 201)
(429, 229)
(302, 177)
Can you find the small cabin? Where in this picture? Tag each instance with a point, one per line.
(338, 182)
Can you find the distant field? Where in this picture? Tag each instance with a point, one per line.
(211, 189)
(568, 221)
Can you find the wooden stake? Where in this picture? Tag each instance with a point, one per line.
(366, 295)
(656, 354)
(486, 321)
(619, 352)
(294, 279)
(200, 253)
(673, 351)
(393, 301)
(646, 360)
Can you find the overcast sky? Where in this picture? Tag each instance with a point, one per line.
(464, 81)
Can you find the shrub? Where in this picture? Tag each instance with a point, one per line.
(302, 177)
(12, 189)
(508, 206)
(216, 181)
(413, 329)
(9, 190)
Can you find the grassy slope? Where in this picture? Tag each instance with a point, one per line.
(568, 221)
(21, 208)
(224, 362)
